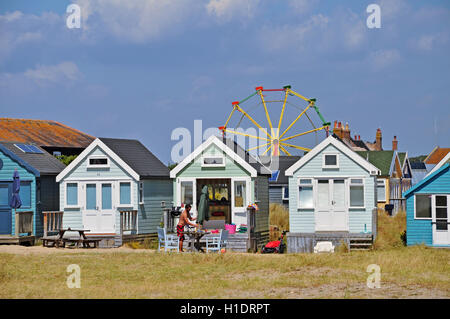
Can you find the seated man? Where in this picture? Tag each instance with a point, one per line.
(185, 218)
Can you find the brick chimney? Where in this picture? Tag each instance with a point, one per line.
(337, 129)
(346, 132)
(378, 140)
(395, 144)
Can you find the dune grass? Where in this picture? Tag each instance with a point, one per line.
(391, 229)
(278, 220)
(148, 274)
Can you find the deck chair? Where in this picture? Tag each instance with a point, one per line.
(166, 241)
(216, 243)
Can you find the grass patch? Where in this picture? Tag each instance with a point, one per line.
(148, 274)
(391, 230)
(278, 220)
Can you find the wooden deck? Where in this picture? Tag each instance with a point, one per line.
(305, 242)
(17, 240)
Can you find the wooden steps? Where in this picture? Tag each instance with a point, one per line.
(360, 244)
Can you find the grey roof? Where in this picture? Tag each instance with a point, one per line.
(44, 163)
(280, 163)
(255, 163)
(138, 157)
(418, 165)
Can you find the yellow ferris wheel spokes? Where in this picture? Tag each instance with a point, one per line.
(274, 141)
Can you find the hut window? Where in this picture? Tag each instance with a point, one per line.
(423, 206)
(239, 194)
(285, 193)
(356, 192)
(305, 194)
(213, 161)
(95, 161)
(187, 193)
(141, 192)
(441, 213)
(330, 161)
(381, 190)
(25, 194)
(72, 194)
(125, 193)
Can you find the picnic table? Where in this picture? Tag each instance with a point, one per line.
(59, 240)
(194, 239)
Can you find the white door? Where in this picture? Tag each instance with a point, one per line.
(98, 213)
(331, 212)
(440, 219)
(240, 199)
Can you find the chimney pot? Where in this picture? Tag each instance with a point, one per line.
(394, 143)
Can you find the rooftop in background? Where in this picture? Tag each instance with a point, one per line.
(279, 164)
(138, 157)
(41, 161)
(381, 159)
(42, 133)
(436, 155)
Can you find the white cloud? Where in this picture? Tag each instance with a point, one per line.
(137, 20)
(431, 41)
(17, 29)
(302, 6)
(64, 73)
(286, 36)
(225, 10)
(383, 58)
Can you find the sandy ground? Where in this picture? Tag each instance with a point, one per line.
(338, 290)
(24, 250)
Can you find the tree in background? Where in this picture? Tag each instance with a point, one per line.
(66, 159)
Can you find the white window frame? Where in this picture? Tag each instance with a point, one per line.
(194, 193)
(415, 207)
(78, 205)
(89, 165)
(247, 194)
(330, 166)
(350, 184)
(312, 184)
(141, 189)
(213, 165)
(385, 193)
(283, 189)
(119, 204)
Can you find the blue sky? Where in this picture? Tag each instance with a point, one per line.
(139, 69)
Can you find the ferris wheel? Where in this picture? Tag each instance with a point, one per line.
(302, 120)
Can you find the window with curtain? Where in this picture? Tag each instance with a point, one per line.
(72, 194)
(25, 194)
(239, 194)
(423, 206)
(305, 194)
(187, 193)
(125, 193)
(381, 190)
(356, 192)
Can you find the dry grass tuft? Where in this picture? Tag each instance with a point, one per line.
(390, 230)
(278, 220)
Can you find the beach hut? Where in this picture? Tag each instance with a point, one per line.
(38, 190)
(428, 208)
(115, 189)
(332, 197)
(235, 180)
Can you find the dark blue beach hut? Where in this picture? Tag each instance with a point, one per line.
(38, 190)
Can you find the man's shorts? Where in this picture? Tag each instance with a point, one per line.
(180, 230)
